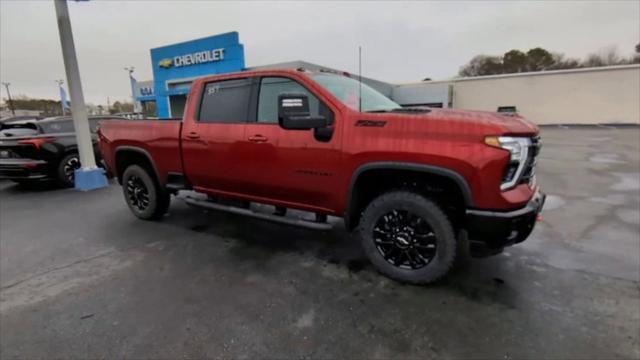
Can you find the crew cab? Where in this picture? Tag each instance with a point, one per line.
(418, 186)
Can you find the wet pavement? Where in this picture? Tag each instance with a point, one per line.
(81, 277)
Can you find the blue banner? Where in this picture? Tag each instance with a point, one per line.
(66, 104)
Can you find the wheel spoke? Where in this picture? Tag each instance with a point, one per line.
(383, 242)
(404, 239)
(137, 193)
(415, 261)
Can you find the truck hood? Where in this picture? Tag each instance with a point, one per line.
(493, 122)
(460, 122)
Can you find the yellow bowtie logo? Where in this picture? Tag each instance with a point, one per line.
(166, 63)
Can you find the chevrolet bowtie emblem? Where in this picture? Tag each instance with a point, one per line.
(165, 63)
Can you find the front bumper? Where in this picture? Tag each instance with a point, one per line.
(491, 231)
(24, 169)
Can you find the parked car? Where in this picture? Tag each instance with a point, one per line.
(44, 150)
(419, 186)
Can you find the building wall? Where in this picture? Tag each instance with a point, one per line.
(584, 96)
(419, 94)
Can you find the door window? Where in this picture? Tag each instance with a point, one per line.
(226, 101)
(271, 88)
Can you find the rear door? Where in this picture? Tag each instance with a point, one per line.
(211, 142)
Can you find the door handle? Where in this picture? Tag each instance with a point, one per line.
(193, 135)
(258, 138)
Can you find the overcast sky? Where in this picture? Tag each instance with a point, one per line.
(402, 41)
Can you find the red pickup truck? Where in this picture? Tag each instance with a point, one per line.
(419, 186)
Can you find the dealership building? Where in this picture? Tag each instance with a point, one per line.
(599, 95)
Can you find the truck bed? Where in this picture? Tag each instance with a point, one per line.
(159, 138)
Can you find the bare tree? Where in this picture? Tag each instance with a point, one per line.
(605, 57)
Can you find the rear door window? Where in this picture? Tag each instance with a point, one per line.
(226, 101)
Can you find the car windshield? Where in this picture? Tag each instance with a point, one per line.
(347, 90)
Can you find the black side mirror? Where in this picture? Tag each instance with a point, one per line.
(294, 114)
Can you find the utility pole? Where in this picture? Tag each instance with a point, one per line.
(60, 82)
(88, 177)
(130, 70)
(13, 110)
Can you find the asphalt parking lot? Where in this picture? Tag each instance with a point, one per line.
(81, 277)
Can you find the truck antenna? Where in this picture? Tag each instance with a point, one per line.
(360, 78)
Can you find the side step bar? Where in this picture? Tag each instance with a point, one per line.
(248, 212)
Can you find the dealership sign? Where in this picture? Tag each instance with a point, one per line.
(176, 65)
(195, 58)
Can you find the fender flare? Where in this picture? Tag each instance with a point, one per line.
(140, 151)
(392, 165)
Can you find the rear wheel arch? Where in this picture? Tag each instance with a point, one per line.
(131, 155)
(372, 179)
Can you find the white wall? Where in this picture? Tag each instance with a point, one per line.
(578, 96)
(587, 97)
(418, 94)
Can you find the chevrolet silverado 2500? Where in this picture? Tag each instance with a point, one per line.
(418, 186)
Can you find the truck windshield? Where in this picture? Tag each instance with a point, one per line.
(347, 89)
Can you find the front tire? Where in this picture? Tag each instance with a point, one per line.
(408, 237)
(142, 193)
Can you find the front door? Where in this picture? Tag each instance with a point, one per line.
(298, 167)
(211, 144)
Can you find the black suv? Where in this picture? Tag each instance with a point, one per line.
(33, 151)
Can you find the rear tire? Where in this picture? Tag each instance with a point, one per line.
(66, 169)
(407, 237)
(142, 193)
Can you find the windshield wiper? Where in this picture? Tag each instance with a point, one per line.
(400, 109)
(379, 111)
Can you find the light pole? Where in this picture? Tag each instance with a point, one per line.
(62, 99)
(88, 177)
(13, 110)
(130, 70)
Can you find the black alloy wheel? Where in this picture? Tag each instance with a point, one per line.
(405, 239)
(137, 193)
(70, 166)
(143, 194)
(66, 171)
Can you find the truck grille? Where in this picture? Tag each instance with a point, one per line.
(529, 171)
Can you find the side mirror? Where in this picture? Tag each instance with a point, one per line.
(294, 114)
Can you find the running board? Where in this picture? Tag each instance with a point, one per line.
(248, 212)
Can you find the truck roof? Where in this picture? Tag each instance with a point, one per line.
(261, 72)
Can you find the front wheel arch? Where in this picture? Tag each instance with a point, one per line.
(373, 179)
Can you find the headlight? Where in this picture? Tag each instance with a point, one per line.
(518, 147)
